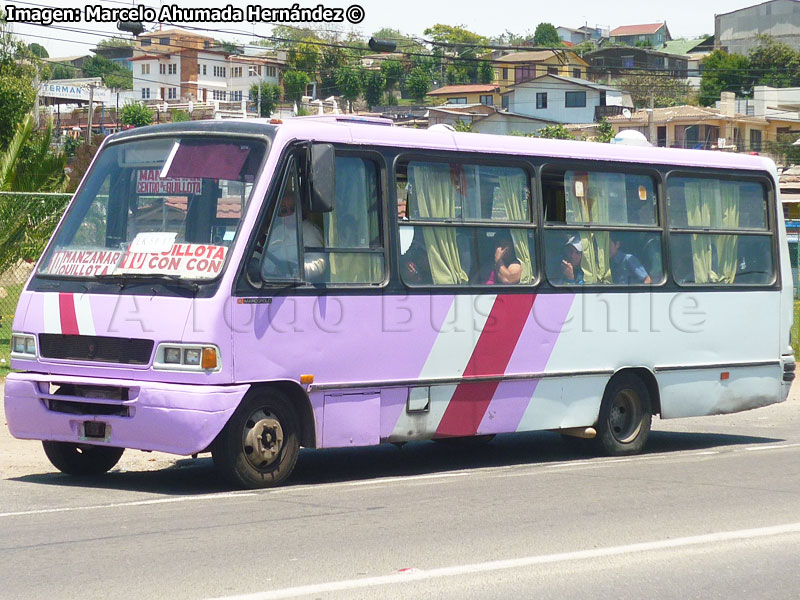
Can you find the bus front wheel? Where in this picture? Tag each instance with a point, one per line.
(625, 416)
(81, 459)
(259, 446)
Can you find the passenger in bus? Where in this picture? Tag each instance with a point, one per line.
(416, 269)
(571, 270)
(280, 256)
(506, 268)
(625, 268)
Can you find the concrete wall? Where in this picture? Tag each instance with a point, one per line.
(737, 31)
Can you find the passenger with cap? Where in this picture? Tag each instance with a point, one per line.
(571, 271)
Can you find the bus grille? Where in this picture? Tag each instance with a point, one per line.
(128, 351)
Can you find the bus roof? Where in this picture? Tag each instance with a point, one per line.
(363, 131)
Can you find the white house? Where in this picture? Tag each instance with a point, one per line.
(563, 99)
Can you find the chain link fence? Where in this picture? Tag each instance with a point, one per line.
(27, 221)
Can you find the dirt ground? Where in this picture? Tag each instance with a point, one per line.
(26, 457)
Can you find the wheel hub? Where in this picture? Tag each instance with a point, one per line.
(625, 417)
(262, 439)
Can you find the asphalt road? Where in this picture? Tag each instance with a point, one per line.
(710, 511)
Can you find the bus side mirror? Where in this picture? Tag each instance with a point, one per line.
(322, 178)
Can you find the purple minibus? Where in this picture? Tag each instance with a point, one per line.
(247, 288)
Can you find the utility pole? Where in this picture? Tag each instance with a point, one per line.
(260, 85)
(651, 124)
(91, 114)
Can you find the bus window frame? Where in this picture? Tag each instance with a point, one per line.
(242, 287)
(405, 156)
(659, 187)
(770, 230)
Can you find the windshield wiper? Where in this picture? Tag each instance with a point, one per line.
(124, 279)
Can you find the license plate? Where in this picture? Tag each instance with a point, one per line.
(94, 429)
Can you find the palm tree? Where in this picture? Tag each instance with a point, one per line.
(28, 164)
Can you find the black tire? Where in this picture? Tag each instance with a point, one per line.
(82, 459)
(259, 446)
(625, 416)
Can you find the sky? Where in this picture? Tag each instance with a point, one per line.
(684, 18)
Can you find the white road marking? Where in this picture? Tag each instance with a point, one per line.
(42, 511)
(517, 563)
(772, 447)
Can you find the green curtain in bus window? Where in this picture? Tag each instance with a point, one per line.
(729, 195)
(513, 185)
(712, 203)
(353, 224)
(588, 201)
(436, 198)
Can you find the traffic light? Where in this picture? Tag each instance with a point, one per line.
(381, 45)
(134, 27)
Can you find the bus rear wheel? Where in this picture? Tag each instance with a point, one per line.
(625, 416)
(81, 459)
(259, 446)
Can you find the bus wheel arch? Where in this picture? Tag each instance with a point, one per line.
(302, 404)
(626, 412)
(260, 443)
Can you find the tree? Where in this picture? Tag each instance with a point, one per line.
(270, 96)
(405, 43)
(29, 164)
(723, 72)
(62, 71)
(605, 132)
(113, 75)
(349, 81)
(774, 63)
(461, 47)
(331, 59)
(643, 44)
(374, 86)
(17, 91)
(84, 154)
(294, 85)
(136, 114)
(462, 126)
(38, 50)
(393, 73)
(304, 57)
(115, 42)
(486, 72)
(555, 132)
(666, 89)
(418, 84)
(546, 36)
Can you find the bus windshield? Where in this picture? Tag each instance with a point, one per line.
(158, 207)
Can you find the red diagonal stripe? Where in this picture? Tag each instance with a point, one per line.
(491, 356)
(69, 320)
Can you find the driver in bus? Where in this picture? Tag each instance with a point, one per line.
(571, 271)
(280, 256)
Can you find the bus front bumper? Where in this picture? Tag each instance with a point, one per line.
(165, 417)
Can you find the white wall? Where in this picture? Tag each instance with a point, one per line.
(523, 101)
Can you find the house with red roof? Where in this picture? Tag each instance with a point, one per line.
(654, 33)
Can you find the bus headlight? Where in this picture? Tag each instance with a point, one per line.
(23, 345)
(187, 357)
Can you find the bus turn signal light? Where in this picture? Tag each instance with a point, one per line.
(209, 360)
(725, 375)
(306, 379)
